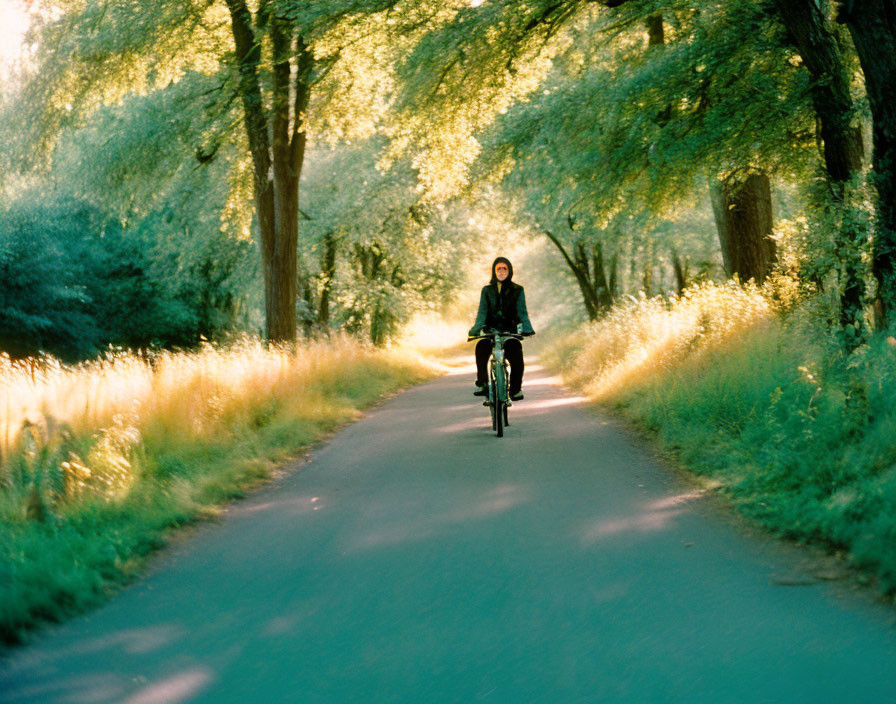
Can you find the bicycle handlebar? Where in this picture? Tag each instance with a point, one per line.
(495, 333)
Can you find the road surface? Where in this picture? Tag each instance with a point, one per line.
(415, 557)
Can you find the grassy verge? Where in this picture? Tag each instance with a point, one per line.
(799, 435)
(102, 460)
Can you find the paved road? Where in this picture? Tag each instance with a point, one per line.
(417, 558)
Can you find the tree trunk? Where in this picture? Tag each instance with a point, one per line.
(647, 274)
(612, 285)
(276, 138)
(655, 34)
(818, 48)
(605, 295)
(680, 268)
(589, 296)
(872, 24)
(328, 271)
(743, 215)
(840, 135)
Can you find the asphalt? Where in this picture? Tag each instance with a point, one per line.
(415, 557)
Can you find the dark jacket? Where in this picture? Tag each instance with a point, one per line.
(503, 310)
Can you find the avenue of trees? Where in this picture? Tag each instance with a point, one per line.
(189, 169)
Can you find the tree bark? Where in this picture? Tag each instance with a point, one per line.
(589, 296)
(818, 48)
(276, 137)
(743, 215)
(655, 34)
(680, 269)
(872, 25)
(602, 287)
(328, 271)
(248, 56)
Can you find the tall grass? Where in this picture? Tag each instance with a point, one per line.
(99, 460)
(798, 433)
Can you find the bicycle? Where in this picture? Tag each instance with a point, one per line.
(498, 399)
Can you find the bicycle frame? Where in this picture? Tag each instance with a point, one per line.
(498, 374)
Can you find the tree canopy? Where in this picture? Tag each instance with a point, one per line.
(648, 142)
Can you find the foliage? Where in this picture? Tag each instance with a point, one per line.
(76, 281)
(397, 257)
(44, 298)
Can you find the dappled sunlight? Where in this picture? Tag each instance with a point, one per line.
(498, 500)
(295, 505)
(641, 523)
(137, 641)
(671, 502)
(478, 419)
(555, 380)
(172, 690)
(292, 615)
(391, 535)
(552, 403)
(134, 641)
(456, 408)
(465, 368)
(494, 502)
(656, 516)
(83, 689)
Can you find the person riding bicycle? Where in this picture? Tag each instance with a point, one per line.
(502, 307)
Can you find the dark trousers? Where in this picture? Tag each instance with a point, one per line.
(513, 351)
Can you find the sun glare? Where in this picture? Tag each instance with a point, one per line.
(13, 25)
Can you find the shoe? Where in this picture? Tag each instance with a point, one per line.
(516, 396)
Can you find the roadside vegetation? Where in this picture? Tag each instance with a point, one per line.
(758, 398)
(101, 460)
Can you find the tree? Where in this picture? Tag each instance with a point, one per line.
(273, 58)
(384, 254)
(872, 24)
(742, 209)
(621, 122)
(596, 281)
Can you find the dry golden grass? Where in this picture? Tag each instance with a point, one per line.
(645, 336)
(188, 396)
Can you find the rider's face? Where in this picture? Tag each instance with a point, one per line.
(501, 271)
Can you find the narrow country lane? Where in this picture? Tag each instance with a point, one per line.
(417, 558)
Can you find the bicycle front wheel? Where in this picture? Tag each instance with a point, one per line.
(500, 400)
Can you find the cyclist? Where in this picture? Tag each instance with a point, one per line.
(502, 307)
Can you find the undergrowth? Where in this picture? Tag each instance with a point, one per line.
(798, 433)
(101, 460)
